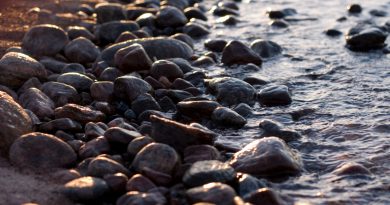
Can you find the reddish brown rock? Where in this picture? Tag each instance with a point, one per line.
(139, 183)
(94, 148)
(101, 166)
(215, 193)
(132, 58)
(78, 113)
(102, 91)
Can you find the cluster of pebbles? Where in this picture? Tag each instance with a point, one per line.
(124, 105)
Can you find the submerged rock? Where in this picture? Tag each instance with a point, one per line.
(351, 168)
(274, 96)
(236, 52)
(266, 49)
(366, 39)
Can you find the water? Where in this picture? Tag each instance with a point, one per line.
(350, 93)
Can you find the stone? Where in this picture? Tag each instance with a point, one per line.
(65, 124)
(274, 96)
(41, 151)
(44, 40)
(333, 32)
(110, 74)
(116, 182)
(279, 23)
(243, 110)
(166, 68)
(79, 31)
(185, 38)
(102, 91)
(101, 166)
(215, 45)
(351, 168)
(169, 16)
(17, 68)
(125, 36)
(212, 193)
(197, 109)
(66, 175)
(266, 196)
(121, 135)
(139, 183)
(354, 8)
(144, 102)
(81, 50)
(38, 102)
(266, 49)
(229, 20)
(130, 87)
(204, 172)
(61, 93)
(137, 144)
(79, 81)
(269, 156)
(366, 39)
(93, 130)
(79, 113)
(195, 30)
(223, 11)
(132, 58)
(236, 52)
(184, 65)
(14, 122)
(94, 148)
(146, 19)
(73, 67)
(181, 84)
(224, 116)
(255, 80)
(108, 32)
(271, 128)
(248, 184)
(193, 12)
(197, 153)
(179, 135)
(106, 12)
(139, 198)
(86, 189)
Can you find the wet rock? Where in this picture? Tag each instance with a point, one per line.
(108, 32)
(178, 135)
(279, 14)
(121, 135)
(268, 156)
(223, 11)
(275, 96)
(266, 49)
(197, 109)
(243, 110)
(102, 91)
(101, 166)
(129, 87)
(39, 103)
(271, 128)
(226, 117)
(266, 196)
(73, 67)
(351, 168)
(184, 65)
(279, 24)
(195, 30)
(178, 95)
(94, 148)
(110, 74)
(139, 183)
(125, 36)
(41, 151)
(79, 31)
(86, 189)
(65, 124)
(216, 45)
(138, 198)
(81, 50)
(44, 40)
(181, 84)
(144, 102)
(60, 93)
(16, 68)
(77, 80)
(203, 172)
(248, 184)
(212, 193)
(354, 8)
(204, 61)
(14, 122)
(169, 16)
(106, 12)
(232, 91)
(366, 39)
(137, 144)
(166, 68)
(78, 113)
(185, 38)
(229, 20)
(146, 19)
(333, 32)
(378, 13)
(132, 58)
(236, 52)
(193, 12)
(93, 130)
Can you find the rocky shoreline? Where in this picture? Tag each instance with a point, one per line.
(121, 108)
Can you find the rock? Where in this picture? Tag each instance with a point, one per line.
(227, 117)
(274, 96)
(79, 113)
(144, 162)
(101, 166)
(60, 93)
(116, 182)
(129, 87)
(212, 193)
(351, 168)
(333, 32)
(102, 91)
(248, 184)
(216, 45)
(223, 11)
(243, 110)
(94, 148)
(279, 23)
(86, 189)
(125, 36)
(121, 135)
(271, 128)
(154, 47)
(266, 49)
(41, 151)
(378, 13)
(366, 39)
(106, 12)
(66, 175)
(268, 156)
(197, 109)
(279, 14)
(232, 91)
(236, 52)
(110, 74)
(16, 68)
(181, 84)
(65, 124)
(9, 91)
(196, 153)
(81, 50)
(137, 144)
(179, 135)
(185, 38)
(169, 16)
(229, 20)
(354, 8)
(180, 4)
(108, 32)
(255, 80)
(132, 58)
(144, 102)
(266, 196)
(184, 65)
(39, 103)
(14, 122)
(139, 183)
(166, 68)
(193, 12)
(79, 81)
(203, 172)
(138, 198)
(195, 30)
(31, 83)
(79, 31)
(93, 130)
(44, 40)
(73, 67)
(146, 19)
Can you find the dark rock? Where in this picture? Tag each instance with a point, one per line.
(266, 49)
(197, 153)
(110, 74)
(60, 93)
(65, 124)
(146, 19)
(41, 151)
(243, 110)
(271, 128)
(366, 39)
(102, 91)
(9, 91)
(79, 81)
(351, 168)
(79, 31)
(185, 38)
(223, 11)
(178, 135)
(31, 83)
(101, 166)
(86, 189)
(195, 30)
(203, 172)
(197, 109)
(139, 198)
(14, 122)
(116, 182)
(268, 156)
(93, 130)
(354, 8)
(184, 65)
(266, 196)
(39, 103)
(275, 96)
(169, 16)
(167, 104)
(94, 148)
(44, 40)
(216, 45)
(255, 80)
(132, 58)
(134, 12)
(81, 50)
(378, 13)
(73, 68)
(137, 144)
(193, 12)
(248, 184)
(106, 12)
(229, 20)
(121, 135)
(78, 113)
(108, 32)
(167, 69)
(129, 87)
(203, 61)
(228, 4)
(212, 193)
(66, 175)
(226, 117)
(180, 4)
(144, 102)
(236, 52)
(181, 84)
(333, 32)
(52, 64)
(279, 24)
(125, 36)
(139, 183)
(16, 68)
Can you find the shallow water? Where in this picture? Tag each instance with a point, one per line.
(350, 93)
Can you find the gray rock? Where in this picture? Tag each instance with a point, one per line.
(81, 50)
(129, 87)
(266, 49)
(166, 68)
(236, 52)
(366, 39)
(121, 135)
(266, 196)
(243, 110)
(102, 91)
(132, 58)
(73, 67)
(351, 168)
(169, 16)
(60, 93)
(195, 30)
(38, 102)
(274, 96)
(248, 184)
(140, 198)
(79, 31)
(65, 124)
(86, 189)
(108, 32)
(197, 109)
(94, 148)
(215, 193)
(271, 128)
(79, 113)
(137, 144)
(101, 166)
(144, 102)
(226, 117)
(77, 80)
(106, 12)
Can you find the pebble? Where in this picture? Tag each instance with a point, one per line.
(169, 16)
(86, 189)
(243, 109)
(79, 31)
(137, 144)
(106, 12)
(351, 168)
(248, 184)
(354, 8)
(81, 50)
(193, 12)
(333, 32)
(79, 113)
(229, 20)
(223, 11)
(102, 91)
(226, 117)
(79, 81)
(146, 19)
(110, 74)
(65, 124)
(130, 87)
(195, 30)
(366, 39)
(144, 102)
(73, 67)
(61, 93)
(266, 49)
(236, 52)
(109, 32)
(139, 198)
(38, 102)
(66, 175)
(94, 148)
(197, 153)
(197, 109)
(93, 130)
(101, 166)
(116, 182)
(121, 135)
(185, 38)
(275, 96)
(132, 58)
(279, 23)
(216, 45)
(212, 193)
(266, 196)
(167, 69)
(139, 183)
(271, 128)
(40, 151)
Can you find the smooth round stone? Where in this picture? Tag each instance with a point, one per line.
(197, 109)
(65, 124)
(94, 148)
(52, 64)
(144, 102)
(195, 30)
(243, 110)
(79, 31)
(351, 168)
(132, 58)
(116, 182)
(203, 172)
(181, 84)
(93, 130)
(73, 67)
(31, 83)
(266, 196)
(137, 144)
(139, 183)
(236, 52)
(185, 38)
(146, 19)
(266, 49)
(271, 128)
(44, 40)
(226, 117)
(17, 68)
(279, 23)
(79, 113)
(248, 184)
(66, 175)
(269, 156)
(223, 11)
(81, 50)
(129, 87)
(196, 153)
(121, 135)
(9, 91)
(275, 96)
(193, 12)
(228, 20)
(366, 39)
(166, 68)
(101, 166)
(77, 80)
(184, 65)
(181, 5)
(102, 91)
(106, 12)
(108, 32)
(38, 102)
(110, 74)
(86, 189)
(14, 122)
(333, 32)
(216, 45)
(60, 93)
(41, 151)
(169, 16)
(125, 36)
(214, 193)
(354, 8)
(138, 198)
